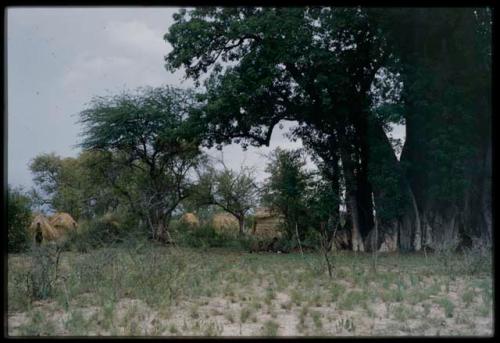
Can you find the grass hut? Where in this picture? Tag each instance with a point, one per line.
(225, 223)
(63, 223)
(267, 224)
(41, 229)
(190, 220)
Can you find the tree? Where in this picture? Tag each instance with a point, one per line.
(285, 189)
(56, 180)
(147, 147)
(18, 219)
(73, 185)
(445, 63)
(319, 66)
(301, 64)
(234, 191)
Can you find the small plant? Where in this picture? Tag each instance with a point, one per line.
(212, 329)
(346, 324)
(245, 314)
(401, 312)
(270, 329)
(37, 325)
(44, 270)
(335, 291)
(230, 317)
(193, 313)
(353, 298)
(468, 297)
(75, 324)
(173, 329)
(286, 305)
(448, 307)
(269, 295)
(316, 316)
(296, 297)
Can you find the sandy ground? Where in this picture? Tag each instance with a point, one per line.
(222, 316)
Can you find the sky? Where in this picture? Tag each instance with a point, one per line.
(59, 58)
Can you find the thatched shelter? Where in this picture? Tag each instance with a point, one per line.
(41, 230)
(190, 220)
(111, 218)
(225, 222)
(63, 222)
(267, 223)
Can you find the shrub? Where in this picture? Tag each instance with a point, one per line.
(204, 237)
(448, 306)
(43, 273)
(18, 220)
(270, 329)
(105, 231)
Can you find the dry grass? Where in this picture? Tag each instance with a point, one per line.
(158, 291)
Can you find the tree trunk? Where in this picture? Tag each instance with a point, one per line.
(159, 223)
(241, 224)
(417, 243)
(351, 189)
(357, 240)
(389, 195)
(486, 198)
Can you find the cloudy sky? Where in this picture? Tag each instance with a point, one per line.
(58, 58)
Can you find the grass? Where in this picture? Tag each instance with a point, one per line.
(447, 306)
(245, 314)
(352, 299)
(336, 290)
(316, 317)
(270, 329)
(184, 291)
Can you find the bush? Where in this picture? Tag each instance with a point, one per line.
(43, 273)
(18, 220)
(104, 231)
(205, 237)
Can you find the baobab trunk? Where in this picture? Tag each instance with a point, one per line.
(357, 240)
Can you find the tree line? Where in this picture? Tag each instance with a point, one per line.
(345, 75)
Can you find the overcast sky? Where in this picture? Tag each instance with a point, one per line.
(58, 58)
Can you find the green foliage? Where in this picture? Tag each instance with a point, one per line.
(285, 189)
(43, 274)
(18, 219)
(345, 74)
(233, 191)
(205, 237)
(148, 146)
(447, 124)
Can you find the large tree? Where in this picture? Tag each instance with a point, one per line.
(313, 65)
(319, 66)
(445, 62)
(148, 149)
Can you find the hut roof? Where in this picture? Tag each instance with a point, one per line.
(190, 219)
(48, 232)
(63, 220)
(224, 221)
(265, 212)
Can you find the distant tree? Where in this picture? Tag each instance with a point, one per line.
(322, 201)
(58, 183)
(285, 189)
(148, 148)
(18, 219)
(73, 185)
(234, 191)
